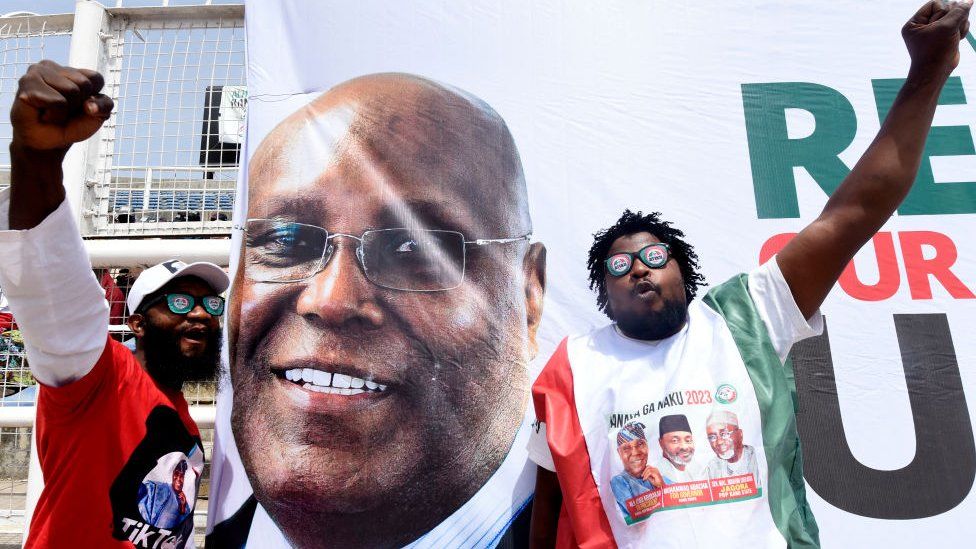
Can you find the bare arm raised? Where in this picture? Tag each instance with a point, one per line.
(813, 261)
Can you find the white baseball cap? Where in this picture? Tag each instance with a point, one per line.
(157, 276)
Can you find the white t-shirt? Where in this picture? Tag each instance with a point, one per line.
(676, 382)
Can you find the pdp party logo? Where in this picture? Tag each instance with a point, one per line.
(619, 263)
(726, 394)
(654, 255)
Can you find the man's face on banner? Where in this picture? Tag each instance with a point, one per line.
(634, 456)
(678, 447)
(356, 403)
(725, 440)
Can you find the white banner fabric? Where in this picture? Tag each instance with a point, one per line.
(733, 119)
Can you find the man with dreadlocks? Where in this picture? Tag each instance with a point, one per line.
(672, 360)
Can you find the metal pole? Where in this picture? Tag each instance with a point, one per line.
(147, 190)
(145, 253)
(35, 482)
(86, 52)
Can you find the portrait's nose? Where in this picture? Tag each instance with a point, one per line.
(340, 295)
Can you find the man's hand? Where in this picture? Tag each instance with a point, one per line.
(652, 475)
(57, 106)
(812, 262)
(54, 108)
(933, 34)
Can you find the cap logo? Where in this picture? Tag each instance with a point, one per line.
(174, 265)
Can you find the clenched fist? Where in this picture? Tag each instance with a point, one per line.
(54, 108)
(57, 106)
(933, 34)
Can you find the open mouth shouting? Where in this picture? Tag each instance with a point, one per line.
(196, 333)
(195, 339)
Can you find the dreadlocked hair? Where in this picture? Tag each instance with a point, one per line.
(632, 223)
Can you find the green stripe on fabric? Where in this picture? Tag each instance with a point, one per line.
(775, 392)
(630, 521)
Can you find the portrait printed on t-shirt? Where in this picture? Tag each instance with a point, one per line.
(684, 450)
(168, 492)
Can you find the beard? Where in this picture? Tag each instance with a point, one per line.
(727, 455)
(166, 364)
(677, 459)
(658, 326)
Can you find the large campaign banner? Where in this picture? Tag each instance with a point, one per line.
(423, 181)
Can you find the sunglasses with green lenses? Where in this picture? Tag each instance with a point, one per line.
(654, 256)
(182, 304)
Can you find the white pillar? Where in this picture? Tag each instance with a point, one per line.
(87, 52)
(144, 253)
(35, 483)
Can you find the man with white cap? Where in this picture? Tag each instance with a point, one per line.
(732, 456)
(108, 420)
(175, 309)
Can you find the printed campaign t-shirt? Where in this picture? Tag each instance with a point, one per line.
(738, 483)
(121, 458)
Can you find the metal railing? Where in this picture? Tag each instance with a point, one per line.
(163, 168)
(24, 41)
(167, 161)
(165, 164)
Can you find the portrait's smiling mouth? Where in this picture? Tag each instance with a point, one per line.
(331, 383)
(324, 387)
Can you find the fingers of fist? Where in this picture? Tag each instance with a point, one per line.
(56, 106)
(933, 34)
(951, 16)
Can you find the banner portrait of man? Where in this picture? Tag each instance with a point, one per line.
(385, 312)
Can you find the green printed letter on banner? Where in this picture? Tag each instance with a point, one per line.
(929, 197)
(774, 155)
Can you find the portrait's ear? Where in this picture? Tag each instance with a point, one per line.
(534, 267)
(137, 323)
(233, 313)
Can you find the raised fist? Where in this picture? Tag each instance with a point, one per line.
(932, 35)
(57, 106)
